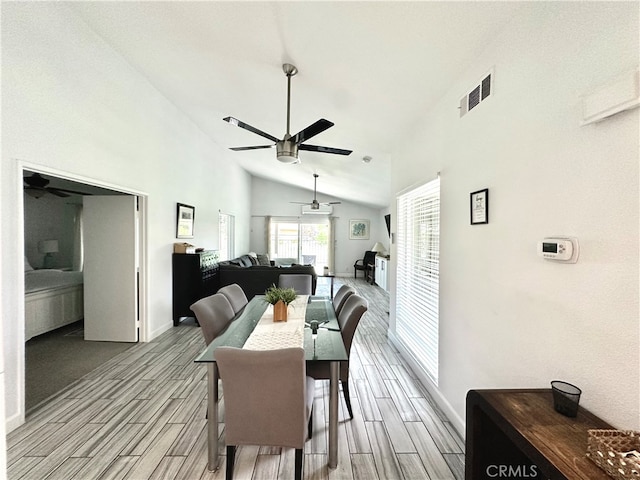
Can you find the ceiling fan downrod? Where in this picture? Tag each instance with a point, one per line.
(289, 71)
(287, 150)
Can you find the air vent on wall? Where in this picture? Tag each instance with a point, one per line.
(478, 94)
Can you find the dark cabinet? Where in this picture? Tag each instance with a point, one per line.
(195, 276)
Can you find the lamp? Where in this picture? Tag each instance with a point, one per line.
(378, 248)
(48, 247)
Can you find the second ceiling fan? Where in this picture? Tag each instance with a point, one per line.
(287, 148)
(315, 205)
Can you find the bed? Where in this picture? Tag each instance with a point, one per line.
(53, 298)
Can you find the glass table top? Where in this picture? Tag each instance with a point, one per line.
(328, 345)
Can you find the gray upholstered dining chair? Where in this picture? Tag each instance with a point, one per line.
(354, 307)
(235, 295)
(339, 299)
(213, 314)
(268, 400)
(301, 283)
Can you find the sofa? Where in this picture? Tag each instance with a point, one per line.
(255, 278)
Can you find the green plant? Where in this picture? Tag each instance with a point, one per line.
(274, 294)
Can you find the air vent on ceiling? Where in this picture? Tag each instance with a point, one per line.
(478, 94)
(321, 210)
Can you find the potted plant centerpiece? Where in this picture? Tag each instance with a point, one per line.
(280, 298)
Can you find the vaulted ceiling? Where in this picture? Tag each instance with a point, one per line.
(372, 68)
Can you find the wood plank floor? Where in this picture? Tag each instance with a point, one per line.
(142, 416)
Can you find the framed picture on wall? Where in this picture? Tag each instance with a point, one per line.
(358, 229)
(479, 207)
(186, 216)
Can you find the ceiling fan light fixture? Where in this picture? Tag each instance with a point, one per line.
(287, 152)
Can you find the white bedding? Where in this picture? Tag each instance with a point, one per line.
(47, 279)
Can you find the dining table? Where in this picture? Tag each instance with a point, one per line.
(326, 345)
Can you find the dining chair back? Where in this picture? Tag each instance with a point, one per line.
(213, 314)
(339, 299)
(268, 400)
(354, 308)
(301, 283)
(235, 295)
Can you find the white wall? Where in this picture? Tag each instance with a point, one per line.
(73, 106)
(45, 218)
(507, 317)
(272, 198)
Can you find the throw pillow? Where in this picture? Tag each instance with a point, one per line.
(263, 259)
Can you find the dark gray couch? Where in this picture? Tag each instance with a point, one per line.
(255, 279)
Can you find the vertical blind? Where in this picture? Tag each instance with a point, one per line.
(417, 285)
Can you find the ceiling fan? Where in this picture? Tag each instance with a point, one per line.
(287, 148)
(315, 205)
(36, 186)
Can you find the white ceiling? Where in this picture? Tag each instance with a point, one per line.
(372, 68)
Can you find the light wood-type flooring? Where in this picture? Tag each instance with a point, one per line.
(142, 415)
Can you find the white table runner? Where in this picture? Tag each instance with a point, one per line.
(270, 335)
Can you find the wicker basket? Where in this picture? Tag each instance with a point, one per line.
(606, 447)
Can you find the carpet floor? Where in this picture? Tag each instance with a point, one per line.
(57, 359)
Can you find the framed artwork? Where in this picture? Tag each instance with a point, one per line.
(358, 229)
(186, 215)
(479, 204)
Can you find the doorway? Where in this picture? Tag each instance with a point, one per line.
(65, 189)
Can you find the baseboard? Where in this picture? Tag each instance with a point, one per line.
(159, 331)
(14, 421)
(456, 421)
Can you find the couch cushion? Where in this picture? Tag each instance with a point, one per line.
(263, 259)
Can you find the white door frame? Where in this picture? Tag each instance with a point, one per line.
(143, 295)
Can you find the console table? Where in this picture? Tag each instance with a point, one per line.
(519, 434)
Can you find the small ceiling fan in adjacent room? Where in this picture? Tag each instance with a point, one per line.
(314, 204)
(36, 187)
(287, 148)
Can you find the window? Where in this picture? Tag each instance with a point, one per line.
(226, 235)
(304, 241)
(417, 292)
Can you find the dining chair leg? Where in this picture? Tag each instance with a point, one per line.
(298, 464)
(231, 458)
(347, 399)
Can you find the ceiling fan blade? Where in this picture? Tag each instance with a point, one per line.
(57, 193)
(316, 148)
(255, 147)
(311, 131)
(301, 203)
(330, 203)
(246, 126)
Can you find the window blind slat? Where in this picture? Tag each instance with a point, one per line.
(418, 252)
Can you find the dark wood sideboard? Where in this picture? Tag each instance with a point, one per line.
(195, 276)
(517, 434)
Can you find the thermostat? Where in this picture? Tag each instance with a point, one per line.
(560, 249)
